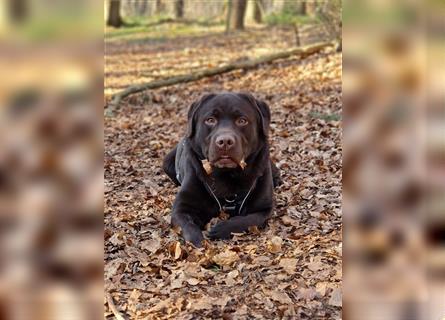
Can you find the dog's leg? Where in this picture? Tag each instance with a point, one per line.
(238, 224)
(189, 229)
(169, 165)
(276, 175)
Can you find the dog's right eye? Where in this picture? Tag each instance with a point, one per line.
(210, 121)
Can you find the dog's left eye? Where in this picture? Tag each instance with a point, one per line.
(241, 121)
(211, 121)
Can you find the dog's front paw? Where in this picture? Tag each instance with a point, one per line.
(221, 230)
(277, 181)
(194, 236)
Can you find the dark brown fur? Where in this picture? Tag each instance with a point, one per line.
(217, 133)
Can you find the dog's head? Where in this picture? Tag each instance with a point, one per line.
(226, 128)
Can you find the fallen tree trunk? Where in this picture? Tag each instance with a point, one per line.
(246, 64)
(171, 20)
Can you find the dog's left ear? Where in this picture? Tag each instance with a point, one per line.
(263, 110)
(265, 119)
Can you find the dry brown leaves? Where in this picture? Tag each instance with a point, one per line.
(292, 269)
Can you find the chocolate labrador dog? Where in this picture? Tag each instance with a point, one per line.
(223, 165)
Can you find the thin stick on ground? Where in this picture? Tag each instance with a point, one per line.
(246, 64)
(113, 308)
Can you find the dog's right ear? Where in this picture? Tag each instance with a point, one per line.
(191, 115)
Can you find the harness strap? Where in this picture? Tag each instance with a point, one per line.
(222, 208)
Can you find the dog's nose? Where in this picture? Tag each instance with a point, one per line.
(225, 141)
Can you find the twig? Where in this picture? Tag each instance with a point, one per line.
(113, 308)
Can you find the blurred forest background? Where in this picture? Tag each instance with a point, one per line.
(272, 25)
(233, 13)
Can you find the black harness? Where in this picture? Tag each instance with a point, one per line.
(231, 205)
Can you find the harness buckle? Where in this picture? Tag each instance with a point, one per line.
(229, 208)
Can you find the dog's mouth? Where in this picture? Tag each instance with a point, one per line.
(225, 161)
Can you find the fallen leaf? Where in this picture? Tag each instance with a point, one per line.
(161, 305)
(254, 230)
(316, 264)
(207, 166)
(178, 250)
(226, 258)
(152, 245)
(223, 215)
(274, 245)
(177, 283)
(251, 248)
(288, 221)
(201, 304)
(306, 194)
(336, 298)
(321, 288)
(307, 293)
(243, 164)
(117, 239)
(262, 261)
(233, 274)
(288, 264)
(134, 296)
(280, 296)
(192, 281)
(230, 279)
(193, 270)
(315, 214)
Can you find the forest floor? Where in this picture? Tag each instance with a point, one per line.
(290, 270)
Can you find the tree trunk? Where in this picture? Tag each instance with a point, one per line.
(297, 35)
(311, 8)
(179, 9)
(257, 12)
(229, 13)
(114, 14)
(303, 8)
(160, 8)
(18, 10)
(142, 8)
(236, 14)
(294, 7)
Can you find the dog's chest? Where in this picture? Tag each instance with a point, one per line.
(229, 188)
(230, 195)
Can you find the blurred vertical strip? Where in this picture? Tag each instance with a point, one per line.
(51, 159)
(435, 156)
(394, 169)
